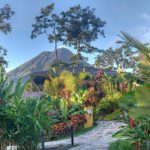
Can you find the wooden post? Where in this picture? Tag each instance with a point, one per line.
(72, 136)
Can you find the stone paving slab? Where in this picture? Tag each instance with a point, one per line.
(96, 139)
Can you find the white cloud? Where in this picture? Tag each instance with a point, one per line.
(145, 16)
(143, 33)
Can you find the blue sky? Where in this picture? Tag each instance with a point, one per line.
(132, 16)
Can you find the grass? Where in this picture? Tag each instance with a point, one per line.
(113, 116)
(136, 112)
(121, 145)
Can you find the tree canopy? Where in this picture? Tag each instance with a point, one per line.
(122, 56)
(47, 23)
(5, 14)
(79, 27)
(5, 27)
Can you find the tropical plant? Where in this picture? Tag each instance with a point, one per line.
(21, 119)
(108, 86)
(136, 131)
(62, 86)
(63, 128)
(127, 101)
(78, 97)
(85, 76)
(121, 145)
(53, 87)
(143, 57)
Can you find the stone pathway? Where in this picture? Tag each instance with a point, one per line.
(96, 139)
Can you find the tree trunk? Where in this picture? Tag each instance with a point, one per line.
(78, 54)
(55, 36)
(57, 61)
(78, 57)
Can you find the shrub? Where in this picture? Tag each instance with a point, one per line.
(127, 100)
(121, 145)
(85, 76)
(62, 86)
(113, 116)
(137, 131)
(21, 119)
(53, 87)
(63, 128)
(69, 80)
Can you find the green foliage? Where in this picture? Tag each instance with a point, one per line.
(122, 56)
(3, 62)
(69, 81)
(144, 55)
(48, 23)
(108, 85)
(78, 97)
(136, 102)
(106, 108)
(137, 112)
(5, 14)
(121, 145)
(137, 131)
(65, 83)
(85, 76)
(127, 100)
(21, 119)
(142, 96)
(63, 108)
(74, 58)
(113, 116)
(53, 87)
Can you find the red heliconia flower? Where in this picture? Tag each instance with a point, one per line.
(132, 123)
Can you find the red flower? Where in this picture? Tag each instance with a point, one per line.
(132, 123)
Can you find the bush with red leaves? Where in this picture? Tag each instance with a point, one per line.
(77, 121)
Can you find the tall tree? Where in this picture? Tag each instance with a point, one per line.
(79, 27)
(5, 14)
(47, 23)
(122, 56)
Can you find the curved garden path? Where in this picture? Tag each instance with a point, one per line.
(96, 139)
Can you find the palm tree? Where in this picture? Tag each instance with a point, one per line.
(143, 57)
